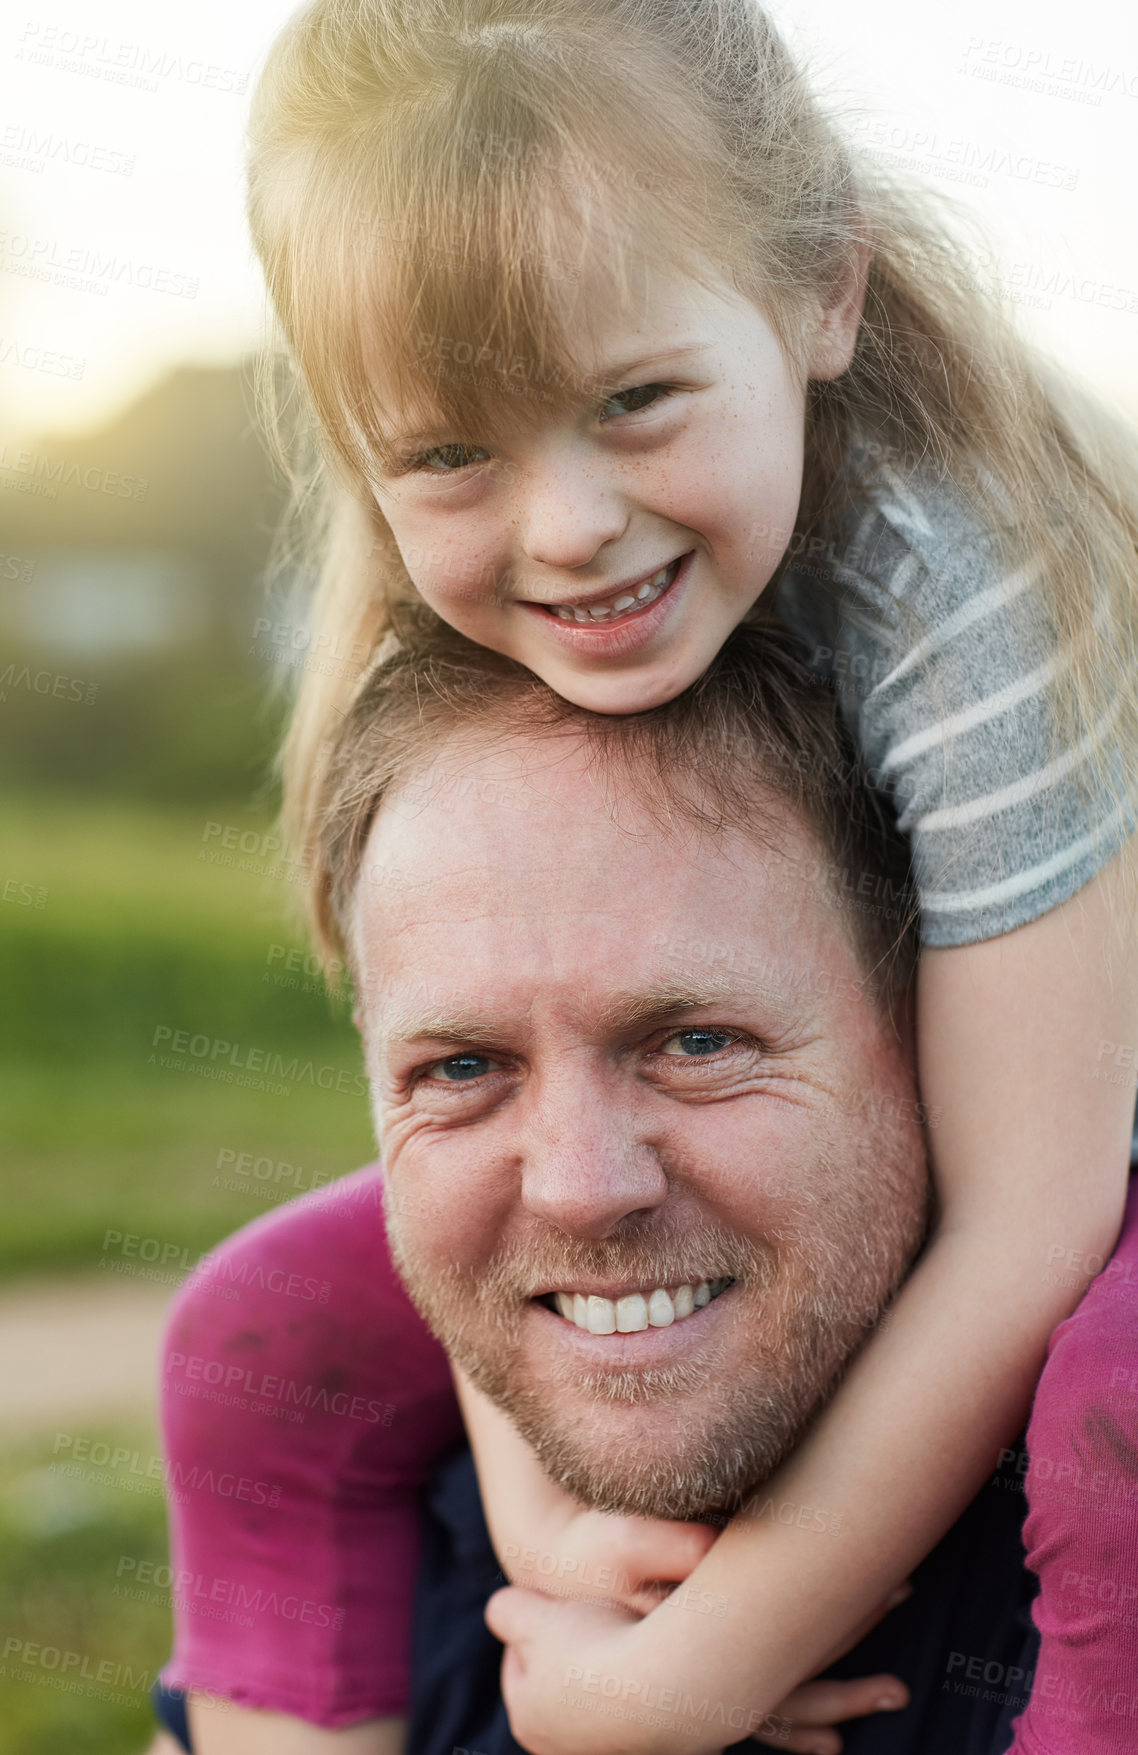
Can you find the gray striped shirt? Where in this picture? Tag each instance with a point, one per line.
(942, 660)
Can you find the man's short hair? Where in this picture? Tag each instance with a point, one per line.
(754, 728)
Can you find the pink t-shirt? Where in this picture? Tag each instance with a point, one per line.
(304, 1401)
(1081, 1532)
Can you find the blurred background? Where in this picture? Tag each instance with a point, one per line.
(144, 662)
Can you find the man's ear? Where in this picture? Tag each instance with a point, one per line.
(836, 334)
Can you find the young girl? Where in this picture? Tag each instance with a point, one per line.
(609, 335)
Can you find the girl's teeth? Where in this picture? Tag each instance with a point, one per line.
(646, 593)
(636, 1311)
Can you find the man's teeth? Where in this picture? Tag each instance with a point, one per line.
(610, 606)
(636, 1311)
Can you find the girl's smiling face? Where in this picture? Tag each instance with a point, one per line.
(613, 551)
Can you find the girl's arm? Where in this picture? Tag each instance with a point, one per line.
(547, 1540)
(1030, 1153)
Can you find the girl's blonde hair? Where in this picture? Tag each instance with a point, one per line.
(429, 179)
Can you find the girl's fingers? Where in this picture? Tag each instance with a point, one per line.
(812, 1710)
(647, 1549)
(521, 1618)
(806, 1742)
(633, 1561)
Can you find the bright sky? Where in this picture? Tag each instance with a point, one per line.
(122, 241)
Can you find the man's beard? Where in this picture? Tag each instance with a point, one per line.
(809, 1292)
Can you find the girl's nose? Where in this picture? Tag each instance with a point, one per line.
(570, 512)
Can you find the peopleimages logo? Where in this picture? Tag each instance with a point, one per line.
(57, 472)
(76, 1666)
(232, 1383)
(224, 1058)
(84, 268)
(215, 1265)
(190, 1590)
(123, 1466)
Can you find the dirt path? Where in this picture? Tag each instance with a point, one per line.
(77, 1348)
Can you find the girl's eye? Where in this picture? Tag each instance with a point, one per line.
(459, 1069)
(449, 459)
(693, 1044)
(454, 457)
(638, 390)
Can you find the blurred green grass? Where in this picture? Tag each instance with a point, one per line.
(106, 800)
(68, 1608)
(138, 931)
(135, 931)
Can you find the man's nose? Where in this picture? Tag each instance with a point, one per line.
(586, 1165)
(570, 511)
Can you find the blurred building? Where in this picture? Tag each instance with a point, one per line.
(152, 530)
(132, 564)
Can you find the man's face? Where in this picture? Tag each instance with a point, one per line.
(611, 1060)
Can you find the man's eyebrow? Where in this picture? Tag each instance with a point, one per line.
(622, 1011)
(647, 1005)
(433, 1024)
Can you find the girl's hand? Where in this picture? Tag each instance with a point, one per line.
(577, 1681)
(613, 1561)
(804, 1722)
(570, 1679)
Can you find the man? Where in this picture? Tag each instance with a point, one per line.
(634, 998)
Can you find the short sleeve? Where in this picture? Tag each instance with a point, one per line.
(303, 1402)
(1081, 1531)
(944, 663)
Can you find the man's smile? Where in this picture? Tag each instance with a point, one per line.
(632, 1312)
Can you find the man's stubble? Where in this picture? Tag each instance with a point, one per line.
(809, 1292)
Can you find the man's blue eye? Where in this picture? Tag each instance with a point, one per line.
(460, 1067)
(697, 1042)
